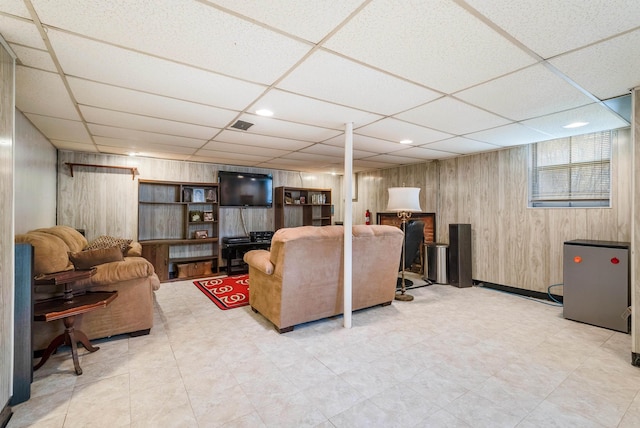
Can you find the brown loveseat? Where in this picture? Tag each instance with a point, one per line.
(300, 279)
(55, 250)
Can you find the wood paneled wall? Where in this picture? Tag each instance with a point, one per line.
(105, 202)
(7, 111)
(513, 245)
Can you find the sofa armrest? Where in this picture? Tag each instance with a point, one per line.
(259, 259)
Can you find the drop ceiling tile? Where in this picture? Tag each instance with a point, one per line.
(366, 164)
(199, 34)
(237, 148)
(607, 69)
(222, 160)
(621, 105)
(366, 144)
(328, 77)
(15, 7)
(34, 58)
(239, 155)
(450, 115)
(21, 32)
(126, 100)
(284, 165)
(144, 123)
(100, 62)
(284, 129)
(33, 86)
(246, 139)
(309, 20)
(396, 130)
(311, 158)
(528, 93)
(599, 118)
(141, 147)
(60, 129)
(335, 151)
(74, 146)
(538, 24)
(510, 135)
(422, 153)
(394, 160)
(296, 108)
(144, 137)
(435, 43)
(461, 145)
(148, 154)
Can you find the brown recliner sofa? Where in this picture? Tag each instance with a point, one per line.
(133, 277)
(300, 278)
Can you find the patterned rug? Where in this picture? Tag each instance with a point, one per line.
(226, 292)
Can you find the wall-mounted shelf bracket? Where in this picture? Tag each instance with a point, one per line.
(133, 169)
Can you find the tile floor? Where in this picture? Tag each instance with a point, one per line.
(451, 358)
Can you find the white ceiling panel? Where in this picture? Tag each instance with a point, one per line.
(61, 129)
(34, 86)
(537, 23)
(365, 164)
(127, 100)
(461, 145)
(237, 148)
(335, 151)
(394, 160)
(222, 160)
(21, 32)
(14, 7)
(510, 135)
(332, 78)
(197, 34)
(608, 69)
(144, 137)
(34, 58)
(305, 19)
(397, 130)
(453, 116)
(310, 157)
(240, 155)
(532, 92)
(74, 146)
(367, 144)
(144, 123)
(422, 153)
(151, 153)
(278, 128)
(598, 117)
(436, 43)
(142, 147)
(301, 109)
(246, 139)
(104, 63)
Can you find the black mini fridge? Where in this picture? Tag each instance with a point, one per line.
(596, 283)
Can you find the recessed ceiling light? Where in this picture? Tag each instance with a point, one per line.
(575, 125)
(406, 141)
(264, 112)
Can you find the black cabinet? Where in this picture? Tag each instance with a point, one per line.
(234, 252)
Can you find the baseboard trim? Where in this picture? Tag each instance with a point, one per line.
(5, 415)
(520, 291)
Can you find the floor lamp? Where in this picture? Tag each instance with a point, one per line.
(404, 201)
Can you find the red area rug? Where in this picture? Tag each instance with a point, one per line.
(228, 292)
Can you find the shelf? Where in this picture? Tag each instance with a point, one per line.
(191, 241)
(192, 259)
(133, 169)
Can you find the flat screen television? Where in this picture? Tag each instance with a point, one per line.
(243, 189)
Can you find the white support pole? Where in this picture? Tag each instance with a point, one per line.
(348, 222)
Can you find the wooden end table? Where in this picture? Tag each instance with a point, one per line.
(67, 308)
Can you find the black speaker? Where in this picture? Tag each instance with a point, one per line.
(460, 255)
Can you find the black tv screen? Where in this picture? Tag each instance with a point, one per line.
(243, 189)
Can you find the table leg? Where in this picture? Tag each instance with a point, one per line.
(74, 348)
(55, 344)
(82, 338)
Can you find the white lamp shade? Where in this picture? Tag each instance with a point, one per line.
(405, 199)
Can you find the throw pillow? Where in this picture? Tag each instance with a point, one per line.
(89, 258)
(102, 242)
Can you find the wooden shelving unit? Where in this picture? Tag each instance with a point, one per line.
(170, 216)
(298, 206)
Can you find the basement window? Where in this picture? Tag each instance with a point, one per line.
(571, 172)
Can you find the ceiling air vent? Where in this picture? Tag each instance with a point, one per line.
(242, 125)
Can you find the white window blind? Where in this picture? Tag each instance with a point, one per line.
(571, 172)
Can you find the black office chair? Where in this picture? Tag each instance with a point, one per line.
(413, 239)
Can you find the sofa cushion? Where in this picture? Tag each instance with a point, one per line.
(105, 241)
(134, 250)
(74, 239)
(90, 258)
(50, 252)
(111, 273)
